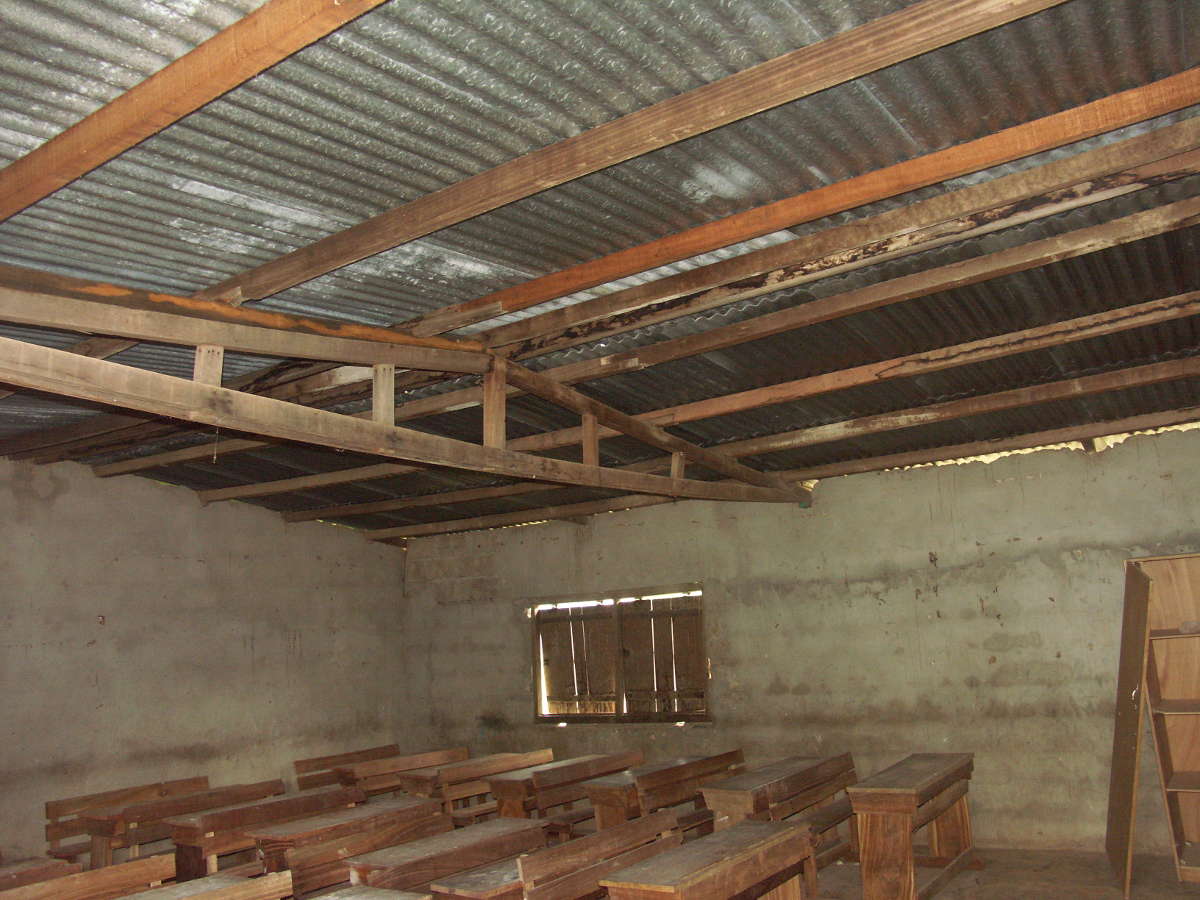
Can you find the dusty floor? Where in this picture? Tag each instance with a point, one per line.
(1038, 875)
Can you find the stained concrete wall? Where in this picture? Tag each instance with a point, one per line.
(971, 607)
(147, 637)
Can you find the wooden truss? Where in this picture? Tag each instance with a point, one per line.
(328, 363)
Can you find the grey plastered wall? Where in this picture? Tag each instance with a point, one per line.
(148, 637)
(972, 607)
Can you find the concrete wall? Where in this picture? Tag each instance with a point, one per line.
(147, 637)
(971, 607)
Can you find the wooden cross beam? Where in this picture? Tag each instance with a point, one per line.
(100, 381)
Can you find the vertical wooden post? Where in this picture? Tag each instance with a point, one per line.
(495, 401)
(591, 440)
(383, 394)
(209, 364)
(677, 463)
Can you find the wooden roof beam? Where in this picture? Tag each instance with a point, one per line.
(883, 42)
(99, 381)
(274, 31)
(183, 321)
(1056, 130)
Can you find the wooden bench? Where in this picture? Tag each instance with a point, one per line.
(274, 840)
(101, 884)
(463, 786)
(63, 821)
(30, 871)
(201, 838)
(380, 776)
(143, 823)
(799, 790)
(749, 859)
(923, 789)
(552, 789)
(320, 771)
(674, 782)
(323, 864)
(417, 863)
(224, 887)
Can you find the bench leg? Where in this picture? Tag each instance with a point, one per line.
(791, 889)
(190, 863)
(886, 853)
(102, 852)
(950, 833)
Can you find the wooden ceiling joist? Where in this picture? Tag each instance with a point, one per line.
(287, 336)
(274, 31)
(98, 381)
(951, 410)
(1071, 125)
(1040, 337)
(917, 29)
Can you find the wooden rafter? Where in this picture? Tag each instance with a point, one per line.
(99, 381)
(842, 246)
(950, 410)
(295, 339)
(917, 29)
(251, 45)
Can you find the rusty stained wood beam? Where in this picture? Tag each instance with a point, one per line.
(847, 429)
(917, 29)
(837, 246)
(253, 44)
(63, 373)
(222, 327)
(1040, 337)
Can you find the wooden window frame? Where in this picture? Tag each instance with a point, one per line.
(613, 599)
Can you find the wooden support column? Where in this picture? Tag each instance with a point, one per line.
(495, 405)
(209, 364)
(677, 463)
(383, 395)
(591, 440)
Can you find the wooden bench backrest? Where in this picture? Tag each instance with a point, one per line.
(319, 770)
(62, 815)
(669, 787)
(164, 808)
(321, 865)
(574, 868)
(279, 809)
(376, 776)
(563, 785)
(785, 804)
(101, 884)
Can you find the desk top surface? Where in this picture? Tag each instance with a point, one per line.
(190, 888)
(447, 842)
(763, 777)
(916, 775)
(416, 806)
(626, 776)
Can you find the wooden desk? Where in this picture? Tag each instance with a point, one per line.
(497, 881)
(224, 887)
(31, 871)
(924, 789)
(100, 884)
(644, 789)
(761, 859)
(419, 862)
(378, 776)
(201, 837)
(753, 793)
(615, 797)
(320, 771)
(275, 840)
(361, 892)
(517, 791)
(457, 782)
(142, 823)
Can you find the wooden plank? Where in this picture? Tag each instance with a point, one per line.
(193, 827)
(226, 887)
(495, 395)
(495, 880)
(548, 389)
(425, 860)
(31, 871)
(60, 372)
(562, 859)
(590, 442)
(1058, 129)
(362, 892)
(52, 310)
(383, 395)
(1127, 726)
(320, 765)
(910, 782)
(1103, 115)
(882, 42)
(100, 884)
(388, 765)
(251, 45)
(209, 364)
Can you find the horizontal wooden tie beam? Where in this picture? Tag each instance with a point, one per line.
(99, 381)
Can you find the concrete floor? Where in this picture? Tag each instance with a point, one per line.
(1036, 875)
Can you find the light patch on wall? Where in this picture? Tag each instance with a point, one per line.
(733, 182)
(283, 213)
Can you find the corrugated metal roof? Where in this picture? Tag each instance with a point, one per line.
(415, 96)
